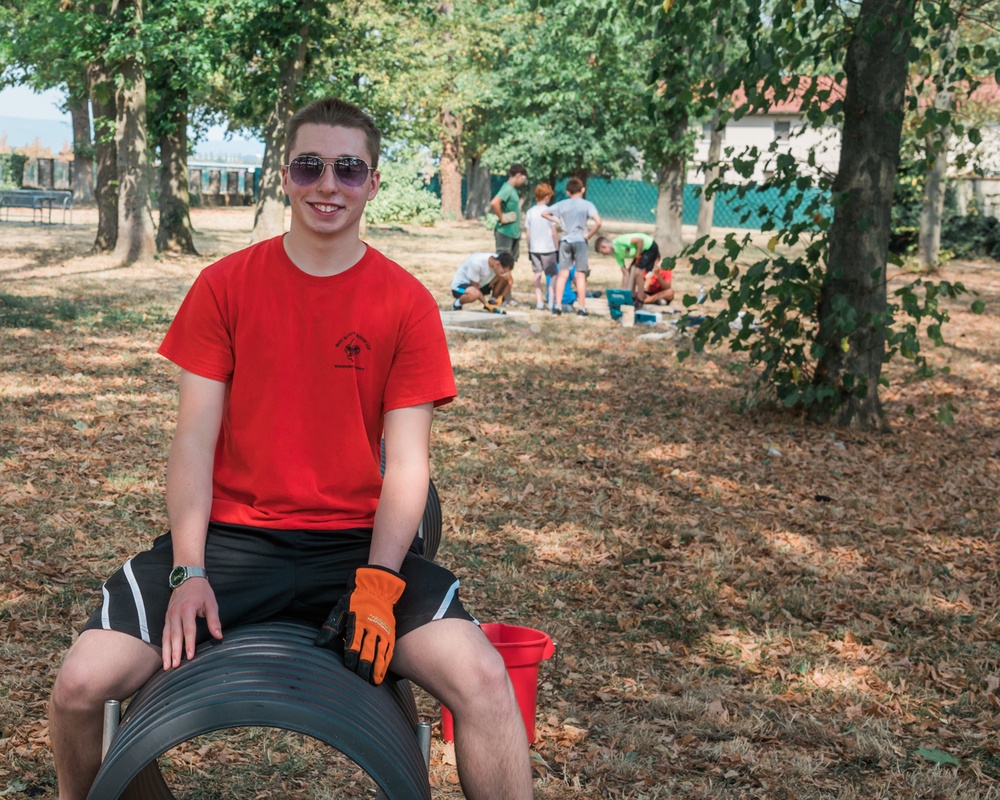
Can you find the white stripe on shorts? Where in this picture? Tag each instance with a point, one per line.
(449, 595)
(105, 608)
(140, 607)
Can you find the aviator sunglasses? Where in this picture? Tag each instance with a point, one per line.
(350, 170)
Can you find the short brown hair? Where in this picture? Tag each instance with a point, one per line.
(542, 191)
(335, 113)
(573, 185)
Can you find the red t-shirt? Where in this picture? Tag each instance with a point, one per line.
(658, 281)
(312, 365)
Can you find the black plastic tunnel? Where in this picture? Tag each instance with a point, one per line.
(266, 675)
(272, 675)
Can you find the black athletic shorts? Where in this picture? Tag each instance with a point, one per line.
(259, 573)
(648, 258)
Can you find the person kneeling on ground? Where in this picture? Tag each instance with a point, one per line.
(485, 277)
(658, 286)
(644, 254)
(295, 364)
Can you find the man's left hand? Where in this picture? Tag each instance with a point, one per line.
(365, 620)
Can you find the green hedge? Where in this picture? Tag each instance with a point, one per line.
(12, 170)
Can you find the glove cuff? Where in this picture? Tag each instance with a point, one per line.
(380, 581)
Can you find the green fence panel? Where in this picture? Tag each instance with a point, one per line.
(635, 201)
(760, 204)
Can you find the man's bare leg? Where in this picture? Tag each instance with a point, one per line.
(100, 666)
(455, 662)
(539, 294)
(503, 286)
(638, 285)
(560, 282)
(581, 289)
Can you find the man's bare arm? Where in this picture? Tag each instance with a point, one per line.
(404, 487)
(189, 504)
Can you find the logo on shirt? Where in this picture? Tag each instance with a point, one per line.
(351, 346)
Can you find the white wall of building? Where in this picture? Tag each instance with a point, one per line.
(760, 131)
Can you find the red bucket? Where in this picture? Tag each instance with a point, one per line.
(522, 650)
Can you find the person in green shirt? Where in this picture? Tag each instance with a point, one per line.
(507, 206)
(643, 252)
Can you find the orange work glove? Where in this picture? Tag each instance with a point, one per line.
(364, 620)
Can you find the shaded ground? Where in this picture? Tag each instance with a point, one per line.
(745, 606)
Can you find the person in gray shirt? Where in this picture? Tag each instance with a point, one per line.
(572, 215)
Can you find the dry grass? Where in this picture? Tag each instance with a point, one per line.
(745, 606)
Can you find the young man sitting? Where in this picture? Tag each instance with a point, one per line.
(294, 365)
(658, 287)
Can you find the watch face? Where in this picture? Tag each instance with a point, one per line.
(177, 576)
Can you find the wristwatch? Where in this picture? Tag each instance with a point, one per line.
(180, 574)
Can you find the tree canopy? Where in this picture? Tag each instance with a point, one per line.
(603, 88)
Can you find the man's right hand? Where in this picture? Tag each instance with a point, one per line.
(192, 599)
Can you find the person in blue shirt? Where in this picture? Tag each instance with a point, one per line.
(580, 221)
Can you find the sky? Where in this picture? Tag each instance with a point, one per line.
(25, 115)
(20, 101)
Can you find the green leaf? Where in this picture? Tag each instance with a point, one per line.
(946, 416)
(978, 307)
(791, 399)
(936, 756)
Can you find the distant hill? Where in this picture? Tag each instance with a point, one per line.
(54, 134)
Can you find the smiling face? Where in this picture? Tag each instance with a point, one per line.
(328, 209)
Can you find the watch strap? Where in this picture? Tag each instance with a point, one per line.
(179, 574)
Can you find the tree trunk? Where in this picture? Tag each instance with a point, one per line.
(477, 188)
(936, 148)
(706, 208)
(851, 335)
(932, 209)
(135, 216)
(175, 232)
(670, 207)
(269, 216)
(102, 100)
(670, 179)
(82, 175)
(451, 165)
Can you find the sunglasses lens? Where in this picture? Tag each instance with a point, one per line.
(305, 170)
(350, 171)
